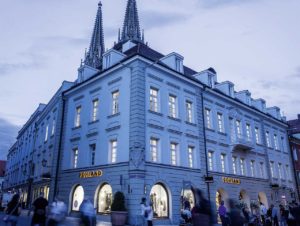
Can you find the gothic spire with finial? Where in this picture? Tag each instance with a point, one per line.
(131, 27)
(94, 55)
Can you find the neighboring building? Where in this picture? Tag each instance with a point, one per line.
(2, 174)
(294, 138)
(140, 122)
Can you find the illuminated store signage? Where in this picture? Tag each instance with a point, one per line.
(90, 174)
(229, 180)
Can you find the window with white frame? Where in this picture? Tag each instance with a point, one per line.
(189, 111)
(172, 106)
(173, 147)
(113, 150)
(154, 99)
(257, 135)
(279, 171)
(77, 116)
(210, 157)
(272, 169)
(53, 127)
(223, 163)
(275, 142)
(115, 102)
(238, 128)
(46, 132)
(75, 158)
(220, 122)
(262, 170)
(208, 118)
(252, 168)
(268, 139)
(95, 110)
(92, 154)
(248, 131)
(190, 156)
(242, 165)
(154, 149)
(234, 165)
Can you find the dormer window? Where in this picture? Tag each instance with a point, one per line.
(178, 64)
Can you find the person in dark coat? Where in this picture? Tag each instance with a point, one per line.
(235, 216)
(13, 210)
(39, 207)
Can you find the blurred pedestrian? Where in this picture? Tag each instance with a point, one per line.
(274, 215)
(57, 213)
(283, 217)
(146, 212)
(246, 213)
(295, 214)
(263, 213)
(186, 214)
(222, 211)
(39, 208)
(88, 213)
(12, 210)
(235, 215)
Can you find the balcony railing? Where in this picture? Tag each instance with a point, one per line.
(241, 143)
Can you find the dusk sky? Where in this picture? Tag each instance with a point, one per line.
(253, 43)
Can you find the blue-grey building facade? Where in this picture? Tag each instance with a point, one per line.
(140, 122)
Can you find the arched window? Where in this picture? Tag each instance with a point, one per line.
(105, 199)
(159, 198)
(77, 198)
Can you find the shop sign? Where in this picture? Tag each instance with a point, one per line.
(90, 174)
(230, 180)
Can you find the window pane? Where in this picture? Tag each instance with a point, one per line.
(105, 199)
(78, 196)
(159, 198)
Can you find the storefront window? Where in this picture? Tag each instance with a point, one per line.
(160, 200)
(77, 198)
(187, 196)
(105, 199)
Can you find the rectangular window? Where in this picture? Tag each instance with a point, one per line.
(178, 64)
(257, 135)
(115, 102)
(238, 128)
(272, 169)
(234, 165)
(190, 155)
(93, 154)
(113, 150)
(172, 106)
(154, 99)
(268, 139)
(210, 160)
(53, 127)
(220, 122)
(262, 170)
(275, 142)
(75, 158)
(77, 116)
(208, 118)
(154, 149)
(282, 144)
(248, 131)
(287, 172)
(173, 147)
(252, 168)
(242, 162)
(189, 111)
(95, 110)
(46, 133)
(223, 159)
(279, 171)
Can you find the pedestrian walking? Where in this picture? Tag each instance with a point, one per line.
(88, 213)
(146, 212)
(39, 208)
(235, 215)
(263, 213)
(12, 210)
(222, 211)
(57, 213)
(274, 215)
(283, 217)
(186, 214)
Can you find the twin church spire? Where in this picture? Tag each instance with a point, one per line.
(131, 31)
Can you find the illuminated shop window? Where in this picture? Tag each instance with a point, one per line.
(105, 199)
(187, 196)
(160, 200)
(77, 198)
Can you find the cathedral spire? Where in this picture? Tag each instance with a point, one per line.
(93, 57)
(131, 27)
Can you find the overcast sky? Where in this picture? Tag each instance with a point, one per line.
(253, 43)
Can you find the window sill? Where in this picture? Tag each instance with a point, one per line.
(77, 127)
(191, 123)
(155, 112)
(209, 129)
(261, 145)
(93, 122)
(221, 133)
(175, 119)
(114, 115)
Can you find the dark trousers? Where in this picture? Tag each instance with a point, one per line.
(149, 223)
(223, 220)
(275, 221)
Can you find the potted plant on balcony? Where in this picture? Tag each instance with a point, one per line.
(118, 210)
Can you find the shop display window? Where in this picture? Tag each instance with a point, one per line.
(105, 199)
(187, 196)
(77, 198)
(159, 198)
